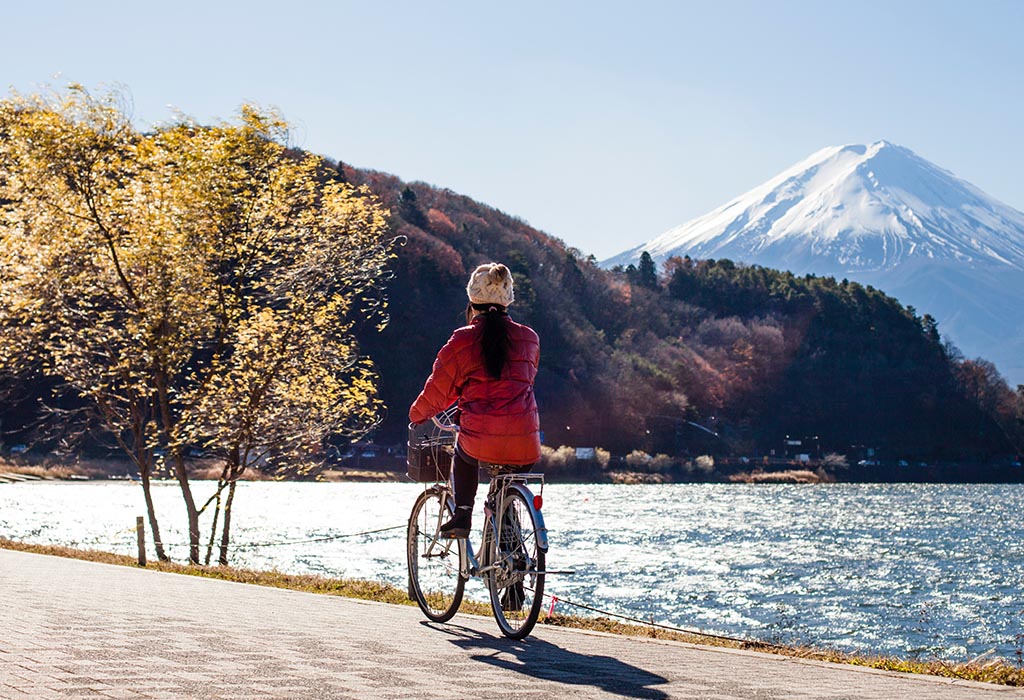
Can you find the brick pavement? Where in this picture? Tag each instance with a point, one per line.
(71, 629)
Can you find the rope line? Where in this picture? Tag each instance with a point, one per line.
(326, 538)
(651, 623)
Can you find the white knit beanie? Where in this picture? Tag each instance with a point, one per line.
(491, 283)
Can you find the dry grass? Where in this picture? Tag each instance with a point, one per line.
(788, 476)
(211, 469)
(361, 475)
(618, 477)
(627, 629)
(998, 671)
(48, 469)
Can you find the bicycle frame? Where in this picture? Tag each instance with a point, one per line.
(471, 566)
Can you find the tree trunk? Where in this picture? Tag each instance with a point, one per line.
(143, 460)
(234, 471)
(168, 425)
(190, 507)
(225, 536)
(213, 527)
(222, 481)
(151, 511)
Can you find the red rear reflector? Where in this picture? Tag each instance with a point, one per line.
(538, 502)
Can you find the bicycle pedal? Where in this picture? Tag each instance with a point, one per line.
(456, 534)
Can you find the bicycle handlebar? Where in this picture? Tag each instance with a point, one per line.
(449, 427)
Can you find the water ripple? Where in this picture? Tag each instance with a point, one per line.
(901, 569)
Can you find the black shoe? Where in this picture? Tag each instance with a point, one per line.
(513, 597)
(459, 524)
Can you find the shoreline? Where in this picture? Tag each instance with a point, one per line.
(393, 469)
(15, 473)
(987, 670)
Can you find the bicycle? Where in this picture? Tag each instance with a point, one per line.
(513, 545)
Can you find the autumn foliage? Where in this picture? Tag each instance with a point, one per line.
(633, 358)
(190, 288)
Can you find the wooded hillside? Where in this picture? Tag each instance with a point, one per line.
(634, 358)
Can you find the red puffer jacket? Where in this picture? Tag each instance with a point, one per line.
(499, 417)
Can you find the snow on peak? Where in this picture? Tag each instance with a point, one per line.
(879, 214)
(852, 208)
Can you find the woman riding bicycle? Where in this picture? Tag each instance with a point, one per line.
(489, 366)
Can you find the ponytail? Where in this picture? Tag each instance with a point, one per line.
(495, 342)
(490, 291)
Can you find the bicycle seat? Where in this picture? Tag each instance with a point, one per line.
(497, 470)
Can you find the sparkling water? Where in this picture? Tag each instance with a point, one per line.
(913, 570)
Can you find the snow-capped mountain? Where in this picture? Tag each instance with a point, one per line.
(880, 215)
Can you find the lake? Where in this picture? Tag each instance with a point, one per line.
(906, 569)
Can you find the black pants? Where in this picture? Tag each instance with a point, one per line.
(466, 474)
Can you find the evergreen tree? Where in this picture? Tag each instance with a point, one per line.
(409, 210)
(647, 272)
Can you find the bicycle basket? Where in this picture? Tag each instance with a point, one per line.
(430, 453)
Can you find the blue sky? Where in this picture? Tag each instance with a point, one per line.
(600, 123)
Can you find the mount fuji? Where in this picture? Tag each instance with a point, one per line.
(881, 215)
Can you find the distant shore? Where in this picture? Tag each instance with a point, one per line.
(88, 471)
(393, 470)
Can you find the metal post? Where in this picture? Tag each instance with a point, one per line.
(140, 531)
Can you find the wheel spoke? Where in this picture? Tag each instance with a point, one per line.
(434, 562)
(515, 586)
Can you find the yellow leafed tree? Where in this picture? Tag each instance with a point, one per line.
(196, 285)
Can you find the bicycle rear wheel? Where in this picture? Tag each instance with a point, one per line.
(516, 582)
(434, 562)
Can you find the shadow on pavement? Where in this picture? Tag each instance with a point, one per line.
(539, 659)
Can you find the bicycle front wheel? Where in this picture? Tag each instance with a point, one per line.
(516, 582)
(434, 562)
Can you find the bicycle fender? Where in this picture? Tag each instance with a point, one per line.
(538, 517)
(542, 531)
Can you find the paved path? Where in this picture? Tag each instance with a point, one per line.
(73, 629)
